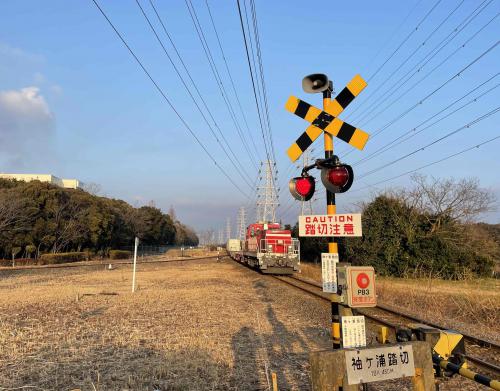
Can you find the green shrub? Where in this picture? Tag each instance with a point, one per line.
(51, 259)
(120, 254)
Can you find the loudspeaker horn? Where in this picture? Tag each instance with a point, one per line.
(317, 82)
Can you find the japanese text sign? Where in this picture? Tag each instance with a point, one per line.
(330, 225)
(370, 365)
(353, 331)
(329, 272)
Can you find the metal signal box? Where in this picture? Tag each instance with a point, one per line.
(357, 284)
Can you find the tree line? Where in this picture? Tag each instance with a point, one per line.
(37, 217)
(427, 229)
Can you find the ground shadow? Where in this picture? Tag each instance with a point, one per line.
(108, 368)
(244, 344)
(280, 343)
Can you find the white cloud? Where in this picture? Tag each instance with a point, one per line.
(26, 125)
(17, 54)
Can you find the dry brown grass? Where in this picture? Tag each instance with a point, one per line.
(197, 325)
(471, 305)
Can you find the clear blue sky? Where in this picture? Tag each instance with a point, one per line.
(74, 103)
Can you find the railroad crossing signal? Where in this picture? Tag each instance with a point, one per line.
(327, 120)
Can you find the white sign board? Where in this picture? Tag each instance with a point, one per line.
(330, 225)
(370, 365)
(353, 331)
(361, 286)
(329, 272)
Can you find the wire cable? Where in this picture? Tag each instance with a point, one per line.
(216, 74)
(432, 53)
(231, 80)
(463, 45)
(401, 65)
(429, 164)
(405, 40)
(463, 127)
(413, 131)
(167, 100)
(253, 82)
(262, 78)
(241, 170)
(433, 92)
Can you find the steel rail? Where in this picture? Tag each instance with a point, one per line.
(471, 338)
(327, 296)
(89, 264)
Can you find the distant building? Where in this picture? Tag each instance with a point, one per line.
(66, 183)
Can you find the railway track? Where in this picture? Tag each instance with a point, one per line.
(147, 259)
(393, 318)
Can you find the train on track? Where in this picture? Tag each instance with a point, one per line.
(268, 248)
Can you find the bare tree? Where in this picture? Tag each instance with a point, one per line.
(69, 226)
(92, 188)
(171, 213)
(14, 213)
(447, 199)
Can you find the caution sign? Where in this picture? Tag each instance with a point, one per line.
(330, 225)
(369, 365)
(361, 286)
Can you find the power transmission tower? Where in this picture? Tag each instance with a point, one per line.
(221, 237)
(242, 223)
(228, 228)
(306, 160)
(267, 197)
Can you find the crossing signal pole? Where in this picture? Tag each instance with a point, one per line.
(336, 177)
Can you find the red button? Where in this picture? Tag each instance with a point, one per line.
(363, 280)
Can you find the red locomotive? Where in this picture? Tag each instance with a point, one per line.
(268, 248)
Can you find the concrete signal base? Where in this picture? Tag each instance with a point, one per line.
(328, 369)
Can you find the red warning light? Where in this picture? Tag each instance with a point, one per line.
(338, 176)
(302, 188)
(363, 280)
(337, 179)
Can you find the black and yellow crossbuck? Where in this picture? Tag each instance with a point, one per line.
(326, 120)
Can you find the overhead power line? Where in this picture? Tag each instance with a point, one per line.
(167, 100)
(262, 78)
(235, 90)
(412, 87)
(413, 131)
(430, 164)
(417, 68)
(241, 170)
(402, 64)
(461, 128)
(213, 67)
(253, 83)
(433, 92)
(404, 40)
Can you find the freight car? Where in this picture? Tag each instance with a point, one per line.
(267, 248)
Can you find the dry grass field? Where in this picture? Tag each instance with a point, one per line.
(471, 305)
(191, 325)
(194, 325)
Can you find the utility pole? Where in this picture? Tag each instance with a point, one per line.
(221, 237)
(331, 209)
(228, 229)
(242, 223)
(267, 200)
